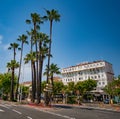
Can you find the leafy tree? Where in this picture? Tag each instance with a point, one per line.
(58, 87)
(90, 84)
(118, 77)
(84, 86)
(25, 91)
(71, 87)
(113, 88)
(80, 87)
(5, 83)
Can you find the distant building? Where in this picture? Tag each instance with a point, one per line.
(57, 79)
(27, 83)
(101, 71)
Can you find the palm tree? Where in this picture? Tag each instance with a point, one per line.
(31, 34)
(32, 57)
(13, 46)
(52, 15)
(12, 65)
(43, 51)
(36, 20)
(23, 40)
(53, 70)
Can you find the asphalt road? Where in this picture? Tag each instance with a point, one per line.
(9, 111)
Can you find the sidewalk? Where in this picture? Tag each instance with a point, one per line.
(100, 106)
(110, 107)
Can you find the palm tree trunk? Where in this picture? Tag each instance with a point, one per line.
(12, 80)
(33, 71)
(19, 71)
(52, 83)
(12, 85)
(49, 53)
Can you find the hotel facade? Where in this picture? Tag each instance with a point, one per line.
(101, 71)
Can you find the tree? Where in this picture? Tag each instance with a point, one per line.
(43, 51)
(53, 70)
(23, 40)
(32, 57)
(5, 83)
(85, 86)
(58, 87)
(52, 15)
(36, 20)
(71, 87)
(113, 88)
(25, 91)
(13, 46)
(12, 65)
(90, 84)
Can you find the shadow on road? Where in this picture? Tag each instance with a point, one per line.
(63, 106)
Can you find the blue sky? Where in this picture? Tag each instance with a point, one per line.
(88, 30)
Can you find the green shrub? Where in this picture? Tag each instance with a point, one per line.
(71, 99)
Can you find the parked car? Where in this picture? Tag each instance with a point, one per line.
(106, 101)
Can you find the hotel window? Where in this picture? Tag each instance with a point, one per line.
(80, 73)
(91, 77)
(103, 83)
(102, 75)
(80, 78)
(95, 77)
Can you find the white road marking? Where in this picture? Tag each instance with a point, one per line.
(16, 111)
(4, 106)
(60, 115)
(29, 117)
(2, 110)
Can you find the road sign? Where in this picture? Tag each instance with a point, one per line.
(48, 88)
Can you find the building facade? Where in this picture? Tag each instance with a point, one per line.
(101, 71)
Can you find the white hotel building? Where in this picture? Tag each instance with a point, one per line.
(101, 71)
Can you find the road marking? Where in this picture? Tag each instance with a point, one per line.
(2, 110)
(29, 117)
(16, 111)
(4, 106)
(60, 115)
